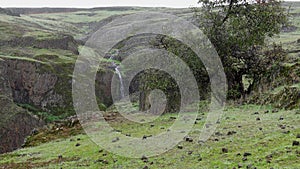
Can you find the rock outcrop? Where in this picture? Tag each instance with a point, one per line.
(15, 123)
(64, 42)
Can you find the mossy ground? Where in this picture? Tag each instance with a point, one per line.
(268, 140)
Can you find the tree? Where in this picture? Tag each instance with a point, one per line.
(238, 29)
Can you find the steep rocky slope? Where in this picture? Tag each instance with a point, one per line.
(15, 123)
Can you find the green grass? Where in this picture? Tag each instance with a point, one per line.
(271, 140)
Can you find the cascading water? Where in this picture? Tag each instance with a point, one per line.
(121, 82)
(120, 76)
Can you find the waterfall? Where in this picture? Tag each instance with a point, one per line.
(121, 82)
(120, 76)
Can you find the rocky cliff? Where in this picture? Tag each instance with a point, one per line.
(15, 123)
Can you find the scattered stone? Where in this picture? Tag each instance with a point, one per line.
(188, 139)
(256, 113)
(162, 128)
(224, 150)
(282, 127)
(218, 134)
(247, 154)
(128, 135)
(151, 163)
(144, 158)
(104, 154)
(98, 161)
(245, 159)
(180, 146)
(196, 122)
(266, 112)
(190, 152)
(78, 139)
(105, 162)
(198, 118)
(152, 125)
(249, 166)
(281, 118)
(269, 158)
(296, 143)
(77, 145)
(298, 136)
(239, 126)
(240, 165)
(100, 151)
(216, 139)
(286, 132)
(173, 118)
(200, 159)
(145, 167)
(115, 139)
(257, 119)
(238, 154)
(144, 137)
(260, 128)
(231, 133)
(34, 131)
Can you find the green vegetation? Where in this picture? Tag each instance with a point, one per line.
(238, 30)
(268, 141)
(257, 132)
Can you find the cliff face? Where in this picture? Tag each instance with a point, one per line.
(31, 86)
(15, 123)
(49, 89)
(63, 42)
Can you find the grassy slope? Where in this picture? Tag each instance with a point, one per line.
(272, 140)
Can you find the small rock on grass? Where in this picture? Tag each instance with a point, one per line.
(247, 154)
(298, 136)
(180, 146)
(296, 143)
(189, 139)
(78, 144)
(115, 139)
(281, 118)
(144, 158)
(224, 150)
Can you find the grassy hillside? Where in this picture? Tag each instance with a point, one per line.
(248, 136)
